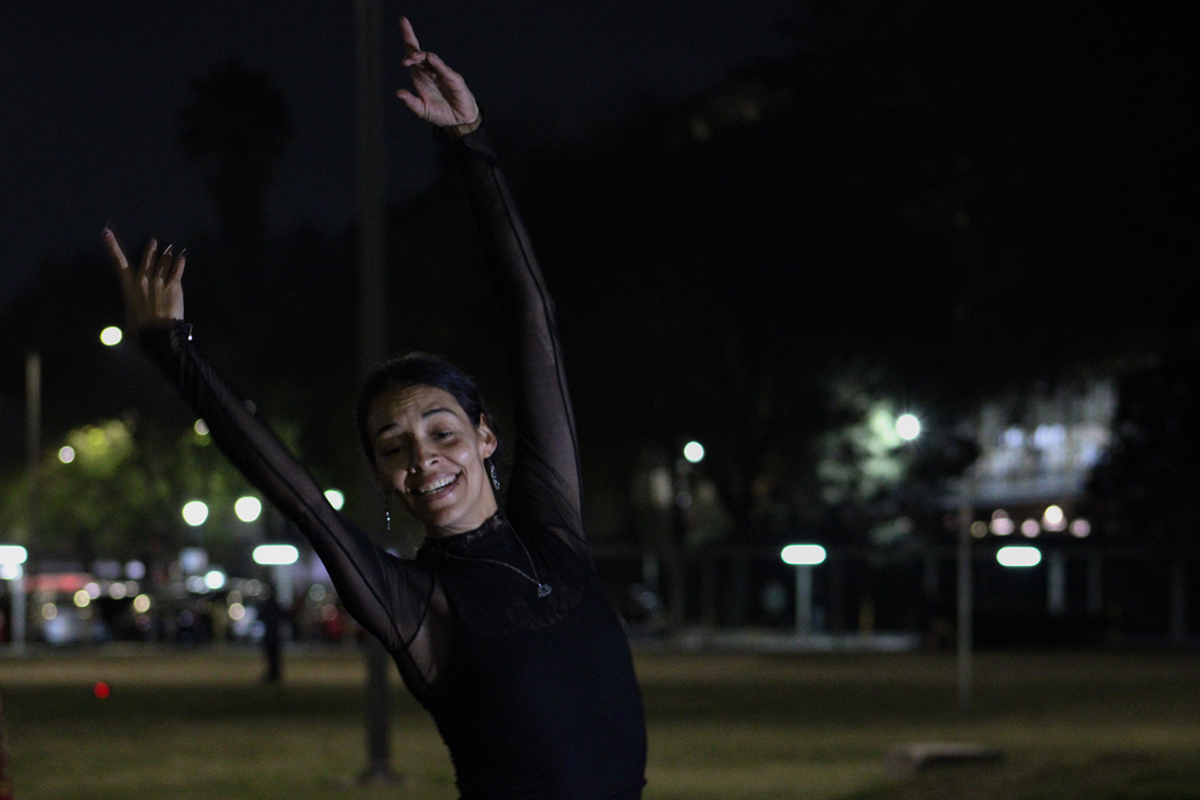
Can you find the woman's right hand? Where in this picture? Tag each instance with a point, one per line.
(153, 290)
(441, 95)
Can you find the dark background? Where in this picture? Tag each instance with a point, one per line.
(756, 218)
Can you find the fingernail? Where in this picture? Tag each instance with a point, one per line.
(167, 251)
(106, 231)
(182, 252)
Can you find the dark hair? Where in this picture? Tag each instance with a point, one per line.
(420, 369)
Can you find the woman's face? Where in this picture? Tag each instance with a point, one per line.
(431, 456)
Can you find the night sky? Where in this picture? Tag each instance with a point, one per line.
(90, 94)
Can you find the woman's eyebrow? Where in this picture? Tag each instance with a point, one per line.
(387, 427)
(424, 415)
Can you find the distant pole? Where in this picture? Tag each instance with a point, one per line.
(372, 317)
(33, 457)
(33, 412)
(804, 600)
(966, 514)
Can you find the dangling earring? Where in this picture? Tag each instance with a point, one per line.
(387, 517)
(492, 471)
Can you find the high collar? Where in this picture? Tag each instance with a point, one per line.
(471, 541)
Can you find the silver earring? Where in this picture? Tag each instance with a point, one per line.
(492, 470)
(387, 516)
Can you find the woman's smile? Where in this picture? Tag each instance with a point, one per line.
(431, 456)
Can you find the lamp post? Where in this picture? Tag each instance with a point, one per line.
(280, 558)
(803, 557)
(12, 569)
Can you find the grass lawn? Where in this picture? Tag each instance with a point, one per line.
(192, 724)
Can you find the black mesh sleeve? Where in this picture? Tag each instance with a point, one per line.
(545, 485)
(387, 595)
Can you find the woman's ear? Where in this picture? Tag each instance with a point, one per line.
(487, 438)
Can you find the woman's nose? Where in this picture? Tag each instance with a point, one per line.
(425, 453)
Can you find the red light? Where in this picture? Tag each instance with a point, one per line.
(101, 690)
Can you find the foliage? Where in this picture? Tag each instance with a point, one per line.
(119, 494)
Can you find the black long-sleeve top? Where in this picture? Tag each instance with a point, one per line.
(535, 696)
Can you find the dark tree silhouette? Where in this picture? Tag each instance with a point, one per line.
(1146, 487)
(235, 128)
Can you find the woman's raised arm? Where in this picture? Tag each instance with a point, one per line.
(545, 482)
(387, 596)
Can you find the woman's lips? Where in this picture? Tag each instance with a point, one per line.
(438, 488)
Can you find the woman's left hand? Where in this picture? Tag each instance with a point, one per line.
(441, 95)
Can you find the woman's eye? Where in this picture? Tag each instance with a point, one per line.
(441, 434)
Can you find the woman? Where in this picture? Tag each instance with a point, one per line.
(497, 626)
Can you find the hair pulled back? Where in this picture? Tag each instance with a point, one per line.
(420, 369)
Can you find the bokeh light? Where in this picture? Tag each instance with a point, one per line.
(693, 452)
(195, 512)
(1019, 556)
(111, 335)
(66, 454)
(908, 427)
(247, 508)
(335, 498)
(273, 554)
(803, 554)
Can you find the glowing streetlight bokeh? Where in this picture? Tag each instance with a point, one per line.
(66, 454)
(335, 498)
(214, 579)
(111, 335)
(803, 557)
(1053, 519)
(13, 554)
(247, 508)
(908, 427)
(1018, 556)
(803, 554)
(195, 512)
(693, 452)
(275, 554)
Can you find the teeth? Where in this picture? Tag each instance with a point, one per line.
(441, 485)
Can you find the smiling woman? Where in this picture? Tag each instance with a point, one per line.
(498, 626)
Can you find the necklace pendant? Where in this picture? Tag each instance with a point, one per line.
(544, 589)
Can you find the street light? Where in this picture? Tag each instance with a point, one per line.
(247, 508)
(12, 559)
(111, 335)
(279, 557)
(335, 498)
(908, 427)
(1018, 556)
(803, 557)
(195, 512)
(693, 452)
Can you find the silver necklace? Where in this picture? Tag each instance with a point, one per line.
(543, 589)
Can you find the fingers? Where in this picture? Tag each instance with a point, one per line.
(147, 263)
(411, 45)
(176, 272)
(162, 266)
(443, 72)
(414, 103)
(114, 249)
